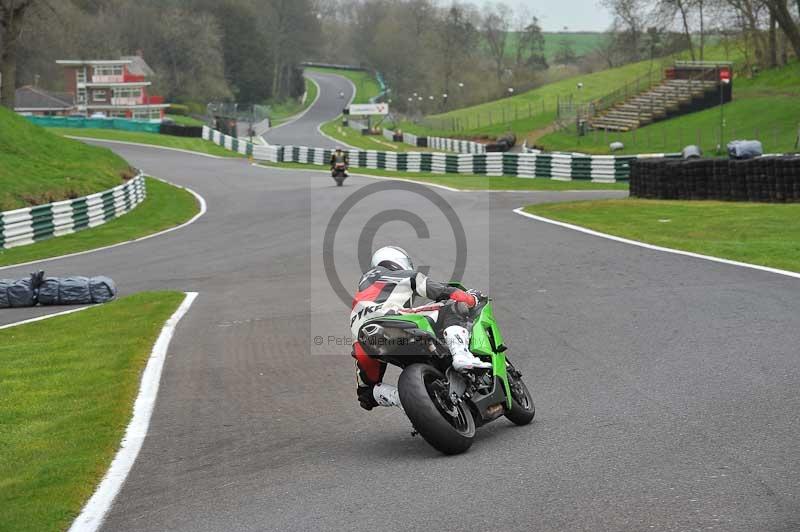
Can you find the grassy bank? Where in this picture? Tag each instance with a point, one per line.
(38, 167)
(472, 182)
(165, 206)
(764, 107)
(67, 387)
(757, 233)
(168, 141)
(534, 110)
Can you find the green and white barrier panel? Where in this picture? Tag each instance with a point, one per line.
(563, 166)
(456, 145)
(26, 226)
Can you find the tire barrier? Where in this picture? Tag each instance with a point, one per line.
(25, 226)
(178, 130)
(562, 166)
(773, 179)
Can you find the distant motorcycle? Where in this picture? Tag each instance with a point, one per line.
(339, 173)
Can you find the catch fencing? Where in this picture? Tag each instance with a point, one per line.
(25, 226)
(561, 166)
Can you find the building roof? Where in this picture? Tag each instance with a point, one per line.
(29, 97)
(79, 62)
(138, 66)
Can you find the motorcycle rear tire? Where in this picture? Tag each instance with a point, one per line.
(432, 424)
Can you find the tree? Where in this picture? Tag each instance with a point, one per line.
(12, 16)
(780, 10)
(565, 55)
(496, 24)
(530, 46)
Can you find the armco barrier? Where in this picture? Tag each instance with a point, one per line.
(26, 226)
(600, 168)
(773, 179)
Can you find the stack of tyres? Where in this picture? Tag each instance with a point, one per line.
(737, 179)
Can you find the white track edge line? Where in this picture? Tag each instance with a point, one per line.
(203, 208)
(592, 232)
(149, 146)
(95, 510)
(45, 317)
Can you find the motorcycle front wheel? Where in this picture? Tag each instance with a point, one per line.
(522, 408)
(424, 391)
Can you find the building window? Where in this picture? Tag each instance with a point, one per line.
(127, 93)
(99, 95)
(80, 75)
(108, 70)
(81, 96)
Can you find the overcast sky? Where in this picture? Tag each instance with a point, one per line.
(577, 15)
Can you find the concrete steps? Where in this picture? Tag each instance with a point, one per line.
(657, 103)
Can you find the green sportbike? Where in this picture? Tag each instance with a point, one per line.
(446, 406)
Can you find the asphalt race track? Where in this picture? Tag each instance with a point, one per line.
(666, 386)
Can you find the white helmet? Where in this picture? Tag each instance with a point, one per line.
(392, 257)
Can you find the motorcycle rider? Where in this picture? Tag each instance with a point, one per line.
(338, 157)
(389, 287)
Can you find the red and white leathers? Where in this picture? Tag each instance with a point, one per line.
(381, 291)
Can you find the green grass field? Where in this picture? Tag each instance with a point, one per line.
(581, 42)
(165, 206)
(168, 141)
(471, 182)
(757, 233)
(67, 387)
(39, 167)
(366, 84)
(765, 107)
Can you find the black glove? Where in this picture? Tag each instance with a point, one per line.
(365, 397)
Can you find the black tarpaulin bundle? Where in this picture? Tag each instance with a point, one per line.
(38, 289)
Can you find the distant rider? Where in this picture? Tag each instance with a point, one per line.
(337, 157)
(388, 288)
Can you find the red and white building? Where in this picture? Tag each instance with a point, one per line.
(116, 88)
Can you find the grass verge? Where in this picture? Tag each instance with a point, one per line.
(472, 182)
(165, 206)
(67, 387)
(757, 233)
(39, 167)
(351, 137)
(168, 141)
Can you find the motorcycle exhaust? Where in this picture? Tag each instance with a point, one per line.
(494, 410)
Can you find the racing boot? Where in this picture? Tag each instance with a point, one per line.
(386, 395)
(457, 340)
